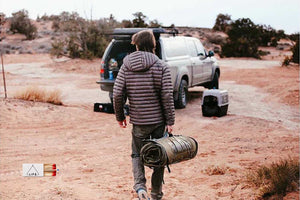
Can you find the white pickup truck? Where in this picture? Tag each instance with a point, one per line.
(189, 63)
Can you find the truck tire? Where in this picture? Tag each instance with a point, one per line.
(182, 95)
(214, 84)
(110, 94)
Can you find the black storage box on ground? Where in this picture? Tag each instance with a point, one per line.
(215, 103)
(108, 108)
(104, 107)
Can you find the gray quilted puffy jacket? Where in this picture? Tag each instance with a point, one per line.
(146, 81)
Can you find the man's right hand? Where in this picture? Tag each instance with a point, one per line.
(169, 128)
(123, 124)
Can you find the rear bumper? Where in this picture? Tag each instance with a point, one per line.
(106, 85)
(106, 82)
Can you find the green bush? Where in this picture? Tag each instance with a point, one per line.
(93, 41)
(20, 23)
(67, 22)
(106, 25)
(126, 24)
(88, 43)
(57, 48)
(154, 24)
(294, 36)
(245, 36)
(88, 39)
(242, 40)
(74, 46)
(222, 23)
(267, 35)
(139, 20)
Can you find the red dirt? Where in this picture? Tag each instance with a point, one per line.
(93, 153)
(281, 83)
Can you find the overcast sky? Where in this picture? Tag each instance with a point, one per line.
(280, 14)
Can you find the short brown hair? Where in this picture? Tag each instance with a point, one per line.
(144, 40)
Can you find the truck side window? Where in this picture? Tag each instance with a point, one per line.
(200, 48)
(192, 48)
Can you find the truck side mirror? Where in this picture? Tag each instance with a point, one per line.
(210, 54)
(201, 56)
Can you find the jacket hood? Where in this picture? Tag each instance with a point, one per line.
(140, 61)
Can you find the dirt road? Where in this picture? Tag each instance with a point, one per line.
(93, 153)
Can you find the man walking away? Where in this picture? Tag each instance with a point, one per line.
(146, 81)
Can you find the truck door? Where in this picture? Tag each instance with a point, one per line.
(207, 70)
(207, 62)
(197, 64)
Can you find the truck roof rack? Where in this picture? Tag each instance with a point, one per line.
(131, 31)
(126, 33)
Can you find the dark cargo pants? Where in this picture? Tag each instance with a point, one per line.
(139, 133)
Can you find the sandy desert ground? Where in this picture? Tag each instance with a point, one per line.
(93, 153)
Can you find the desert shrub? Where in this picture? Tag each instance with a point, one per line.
(154, 24)
(57, 48)
(263, 53)
(73, 46)
(294, 36)
(85, 39)
(2, 18)
(222, 23)
(139, 20)
(88, 39)
(37, 94)
(267, 36)
(216, 39)
(215, 170)
(93, 41)
(242, 47)
(42, 46)
(295, 50)
(108, 23)
(286, 61)
(242, 40)
(55, 25)
(20, 23)
(70, 22)
(88, 43)
(126, 23)
(277, 179)
(254, 35)
(65, 21)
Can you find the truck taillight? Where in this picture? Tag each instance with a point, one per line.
(102, 67)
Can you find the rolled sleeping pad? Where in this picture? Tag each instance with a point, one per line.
(168, 150)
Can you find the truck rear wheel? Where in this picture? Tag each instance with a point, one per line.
(214, 84)
(182, 95)
(110, 94)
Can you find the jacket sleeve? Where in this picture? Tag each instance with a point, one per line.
(167, 96)
(119, 94)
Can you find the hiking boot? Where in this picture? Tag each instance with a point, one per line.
(142, 193)
(155, 196)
